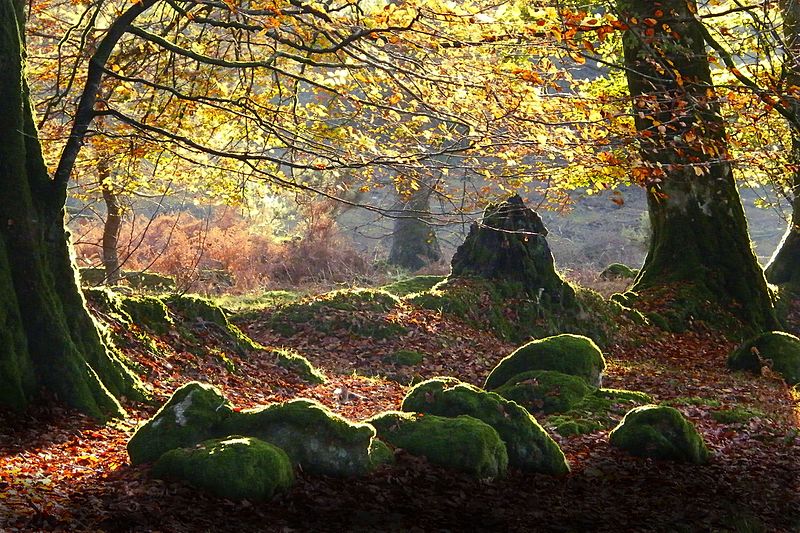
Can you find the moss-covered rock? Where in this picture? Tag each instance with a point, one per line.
(779, 350)
(205, 311)
(569, 354)
(299, 365)
(463, 443)
(236, 468)
(601, 409)
(661, 432)
(149, 312)
(190, 416)
(529, 446)
(618, 271)
(406, 358)
(318, 440)
(545, 390)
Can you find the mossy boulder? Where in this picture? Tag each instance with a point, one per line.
(297, 364)
(319, 441)
(149, 312)
(462, 443)
(529, 446)
(545, 390)
(661, 432)
(190, 416)
(196, 308)
(569, 354)
(235, 467)
(618, 271)
(777, 349)
(601, 409)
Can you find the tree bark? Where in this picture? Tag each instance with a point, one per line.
(699, 231)
(414, 242)
(112, 225)
(784, 266)
(48, 338)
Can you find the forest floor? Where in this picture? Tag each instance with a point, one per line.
(62, 471)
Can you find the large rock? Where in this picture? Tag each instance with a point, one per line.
(318, 440)
(463, 443)
(236, 468)
(779, 350)
(545, 390)
(661, 432)
(190, 416)
(509, 244)
(529, 446)
(569, 354)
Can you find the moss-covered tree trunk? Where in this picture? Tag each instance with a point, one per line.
(48, 340)
(784, 266)
(414, 242)
(699, 232)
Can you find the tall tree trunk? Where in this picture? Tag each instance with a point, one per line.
(699, 231)
(784, 266)
(49, 340)
(414, 242)
(111, 226)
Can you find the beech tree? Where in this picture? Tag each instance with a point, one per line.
(699, 231)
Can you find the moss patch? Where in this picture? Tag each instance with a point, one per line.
(148, 311)
(618, 271)
(735, 415)
(602, 409)
(318, 440)
(406, 358)
(545, 391)
(189, 416)
(358, 312)
(463, 443)
(236, 468)
(569, 354)
(202, 310)
(528, 445)
(297, 364)
(775, 349)
(661, 432)
(413, 285)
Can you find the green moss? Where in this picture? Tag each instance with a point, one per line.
(693, 400)
(236, 468)
(510, 313)
(148, 311)
(320, 441)
(545, 391)
(250, 304)
(462, 443)
(108, 303)
(190, 416)
(380, 454)
(602, 409)
(735, 415)
(528, 445)
(297, 364)
(618, 271)
(776, 349)
(406, 358)
(412, 285)
(195, 308)
(340, 311)
(569, 354)
(661, 432)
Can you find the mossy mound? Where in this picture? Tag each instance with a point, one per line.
(406, 358)
(358, 312)
(236, 468)
(569, 354)
(735, 415)
(148, 311)
(297, 364)
(463, 443)
(413, 285)
(661, 432)
(189, 416)
(601, 409)
(138, 280)
(504, 308)
(529, 446)
(775, 349)
(318, 440)
(545, 390)
(618, 271)
(197, 309)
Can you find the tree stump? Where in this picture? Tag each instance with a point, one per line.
(509, 244)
